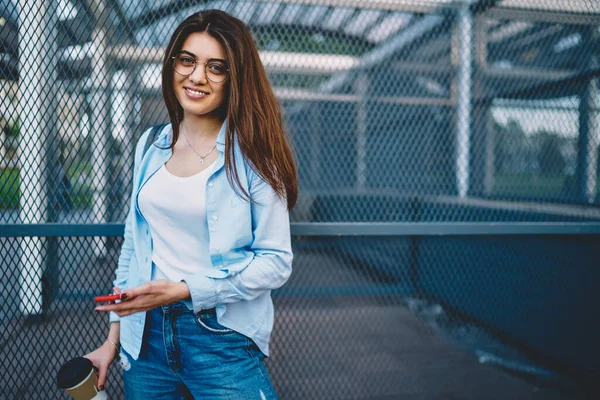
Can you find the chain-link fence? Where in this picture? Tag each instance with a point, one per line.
(449, 194)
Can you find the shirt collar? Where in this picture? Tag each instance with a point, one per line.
(221, 137)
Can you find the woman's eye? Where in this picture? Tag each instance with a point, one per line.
(217, 68)
(187, 60)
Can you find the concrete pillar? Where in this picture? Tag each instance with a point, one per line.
(125, 115)
(99, 103)
(37, 80)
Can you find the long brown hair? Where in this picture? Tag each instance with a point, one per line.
(253, 113)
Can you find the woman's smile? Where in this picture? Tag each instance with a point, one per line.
(195, 93)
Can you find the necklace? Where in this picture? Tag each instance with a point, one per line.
(192, 147)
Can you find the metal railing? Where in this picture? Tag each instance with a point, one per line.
(448, 160)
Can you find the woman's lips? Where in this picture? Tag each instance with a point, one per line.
(195, 94)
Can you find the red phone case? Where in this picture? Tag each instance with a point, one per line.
(110, 297)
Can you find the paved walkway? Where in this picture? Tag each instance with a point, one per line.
(324, 346)
(387, 353)
(384, 353)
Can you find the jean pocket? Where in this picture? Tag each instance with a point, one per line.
(208, 321)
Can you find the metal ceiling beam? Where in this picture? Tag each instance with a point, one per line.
(108, 14)
(526, 40)
(480, 6)
(543, 16)
(412, 6)
(431, 50)
(534, 74)
(98, 10)
(295, 94)
(494, 83)
(383, 52)
(564, 6)
(549, 89)
(156, 14)
(422, 67)
(78, 28)
(405, 37)
(136, 54)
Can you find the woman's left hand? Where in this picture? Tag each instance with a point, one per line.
(148, 296)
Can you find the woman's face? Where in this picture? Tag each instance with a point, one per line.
(198, 95)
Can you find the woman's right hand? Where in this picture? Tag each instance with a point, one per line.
(102, 357)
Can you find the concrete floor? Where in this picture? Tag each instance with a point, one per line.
(342, 352)
(326, 345)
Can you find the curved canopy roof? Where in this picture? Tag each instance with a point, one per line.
(526, 41)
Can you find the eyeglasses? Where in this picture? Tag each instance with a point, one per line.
(185, 64)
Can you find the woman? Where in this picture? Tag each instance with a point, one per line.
(207, 236)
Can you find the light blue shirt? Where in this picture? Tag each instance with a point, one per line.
(250, 248)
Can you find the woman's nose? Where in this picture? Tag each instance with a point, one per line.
(199, 74)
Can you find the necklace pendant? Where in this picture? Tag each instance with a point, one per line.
(202, 161)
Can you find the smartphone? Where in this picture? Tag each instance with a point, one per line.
(110, 297)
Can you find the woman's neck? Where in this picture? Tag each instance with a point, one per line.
(201, 127)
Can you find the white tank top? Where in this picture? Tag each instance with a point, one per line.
(175, 209)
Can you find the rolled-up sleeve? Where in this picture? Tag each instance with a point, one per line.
(123, 263)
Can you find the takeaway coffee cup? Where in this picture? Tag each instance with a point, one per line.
(78, 378)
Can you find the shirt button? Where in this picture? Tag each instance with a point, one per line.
(210, 184)
(215, 218)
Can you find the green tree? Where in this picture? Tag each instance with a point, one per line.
(550, 157)
(510, 145)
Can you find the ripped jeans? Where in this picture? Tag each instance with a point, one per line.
(191, 356)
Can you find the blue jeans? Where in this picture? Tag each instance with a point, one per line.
(191, 356)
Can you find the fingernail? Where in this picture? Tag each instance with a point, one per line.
(124, 296)
(101, 387)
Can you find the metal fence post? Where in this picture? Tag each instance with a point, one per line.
(463, 112)
(37, 62)
(362, 86)
(587, 143)
(489, 152)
